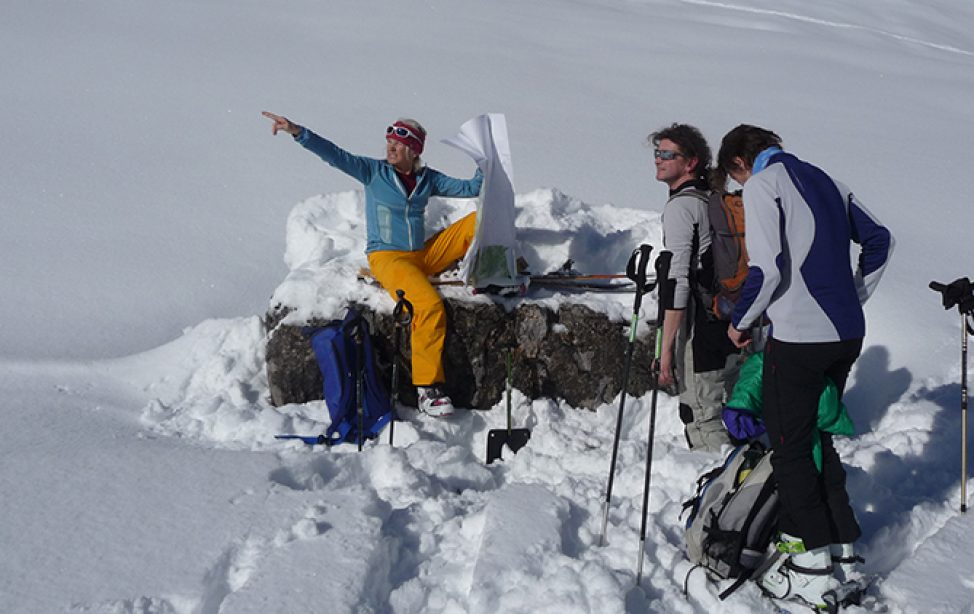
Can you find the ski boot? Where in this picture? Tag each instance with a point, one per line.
(853, 583)
(800, 575)
(845, 561)
(434, 402)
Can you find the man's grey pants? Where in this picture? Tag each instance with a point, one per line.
(702, 396)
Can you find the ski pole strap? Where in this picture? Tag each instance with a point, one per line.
(402, 316)
(510, 371)
(403, 312)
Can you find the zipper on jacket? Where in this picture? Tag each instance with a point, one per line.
(402, 188)
(409, 229)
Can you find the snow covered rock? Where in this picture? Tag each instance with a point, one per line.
(572, 353)
(567, 344)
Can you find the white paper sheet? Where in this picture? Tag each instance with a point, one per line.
(492, 258)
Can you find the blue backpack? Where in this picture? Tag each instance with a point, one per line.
(341, 367)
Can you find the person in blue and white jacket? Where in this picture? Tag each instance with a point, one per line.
(800, 224)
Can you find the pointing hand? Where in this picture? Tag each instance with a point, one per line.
(282, 124)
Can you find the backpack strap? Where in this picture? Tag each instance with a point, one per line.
(703, 195)
(698, 289)
(766, 490)
(691, 503)
(738, 583)
(686, 580)
(337, 433)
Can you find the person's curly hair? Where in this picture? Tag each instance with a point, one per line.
(691, 144)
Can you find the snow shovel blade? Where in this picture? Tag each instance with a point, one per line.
(515, 439)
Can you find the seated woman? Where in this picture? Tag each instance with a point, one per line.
(397, 190)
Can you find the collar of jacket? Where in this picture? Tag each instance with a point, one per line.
(416, 171)
(762, 159)
(698, 183)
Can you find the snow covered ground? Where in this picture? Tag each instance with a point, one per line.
(145, 211)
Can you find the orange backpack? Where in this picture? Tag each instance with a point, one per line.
(726, 213)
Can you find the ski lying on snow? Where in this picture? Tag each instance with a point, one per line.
(605, 282)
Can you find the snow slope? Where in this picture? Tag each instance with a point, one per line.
(146, 208)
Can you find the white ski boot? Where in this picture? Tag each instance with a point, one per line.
(845, 561)
(434, 402)
(853, 582)
(799, 575)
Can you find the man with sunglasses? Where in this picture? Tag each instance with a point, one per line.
(800, 227)
(397, 190)
(695, 354)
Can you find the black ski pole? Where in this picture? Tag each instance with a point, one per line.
(636, 271)
(360, 383)
(662, 274)
(402, 316)
(961, 293)
(963, 413)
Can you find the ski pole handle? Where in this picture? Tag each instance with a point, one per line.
(638, 262)
(403, 312)
(636, 271)
(959, 292)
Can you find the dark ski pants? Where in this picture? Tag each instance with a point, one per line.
(814, 506)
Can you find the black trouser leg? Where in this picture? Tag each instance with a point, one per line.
(814, 506)
(843, 527)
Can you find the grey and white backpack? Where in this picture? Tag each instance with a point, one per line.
(733, 515)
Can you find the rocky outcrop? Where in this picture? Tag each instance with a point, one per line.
(574, 353)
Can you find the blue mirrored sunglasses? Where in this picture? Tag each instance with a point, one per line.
(665, 154)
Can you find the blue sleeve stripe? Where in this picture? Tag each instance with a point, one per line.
(874, 239)
(749, 293)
